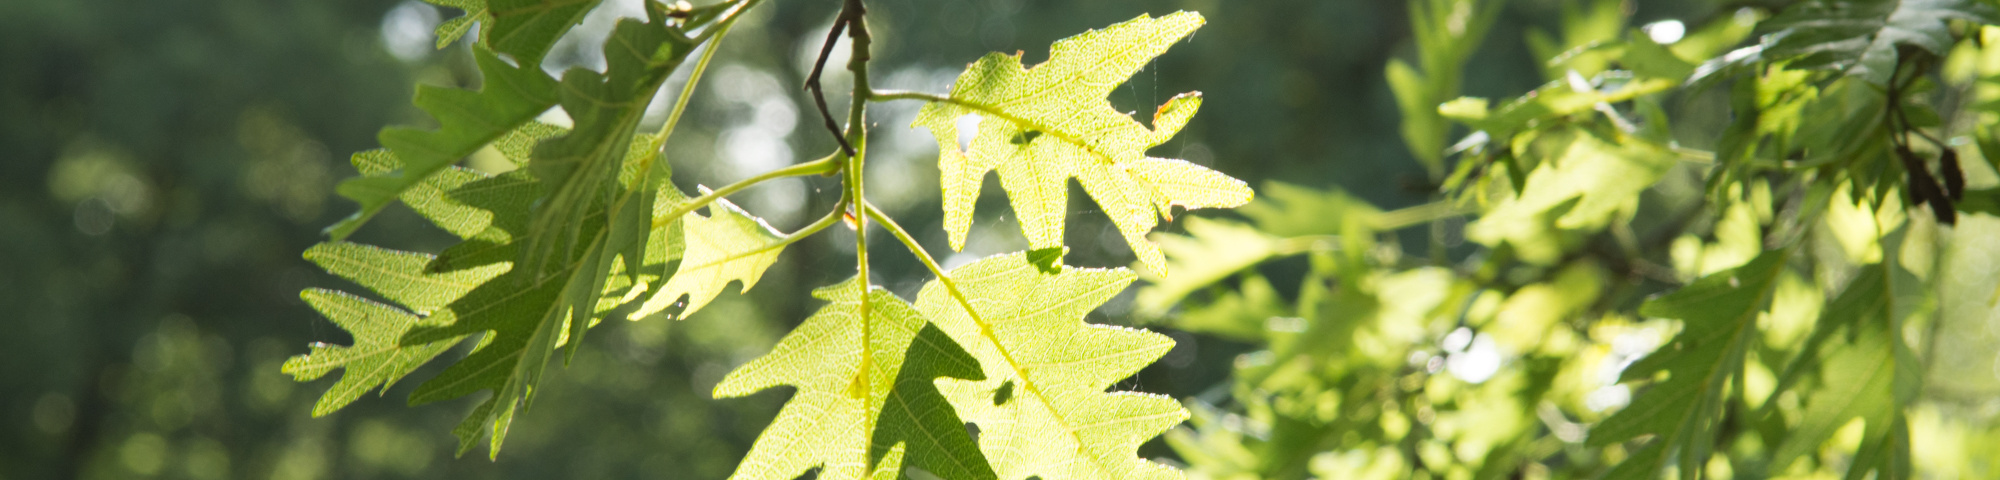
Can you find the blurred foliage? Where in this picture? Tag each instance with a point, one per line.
(168, 162)
(1715, 250)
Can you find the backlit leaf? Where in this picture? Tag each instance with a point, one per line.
(451, 30)
(1041, 126)
(866, 405)
(468, 120)
(1026, 329)
(728, 245)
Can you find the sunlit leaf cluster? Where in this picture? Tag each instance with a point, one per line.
(1617, 280)
(590, 227)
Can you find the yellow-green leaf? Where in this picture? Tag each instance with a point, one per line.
(1041, 126)
(866, 405)
(728, 245)
(1042, 409)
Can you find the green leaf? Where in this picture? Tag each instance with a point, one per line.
(580, 170)
(527, 28)
(1445, 32)
(523, 311)
(728, 245)
(1866, 372)
(1039, 127)
(1211, 251)
(1719, 315)
(866, 405)
(1026, 329)
(510, 96)
(375, 360)
(1551, 101)
(527, 313)
(1288, 210)
(1859, 37)
(1242, 314)
(451, 30)
(1582, 185)
(432, 197)
(522, 320)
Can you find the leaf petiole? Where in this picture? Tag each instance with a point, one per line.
(833, 217)
(694, 78)
(816, 167)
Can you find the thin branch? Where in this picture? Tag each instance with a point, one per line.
(815, 167)
(851, 15)
(818, 92)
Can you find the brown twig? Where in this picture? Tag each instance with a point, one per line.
(813, 80)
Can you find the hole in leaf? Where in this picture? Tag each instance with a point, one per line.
(973, 430)
(968, 128)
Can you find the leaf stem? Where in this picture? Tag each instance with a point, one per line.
(888, 95)
(815, 167)
(855, 145)
(950, 286)
(723, 26)
(694, 78)
(1415, 215)
(915, 249)
(839, 210)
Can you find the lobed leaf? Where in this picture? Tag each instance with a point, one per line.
(527, 28)
(1857, 38)
(1583, 184)
(468, 120)
(580, 169)
(476, 287)
(1042, 409)
(728, 245)
(866, 405)
(377, 359)
(1209, 252)
(1042, 126)
(1868, 373)
(450, 30)
(1719, 312)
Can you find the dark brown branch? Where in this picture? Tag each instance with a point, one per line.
(813, 80)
